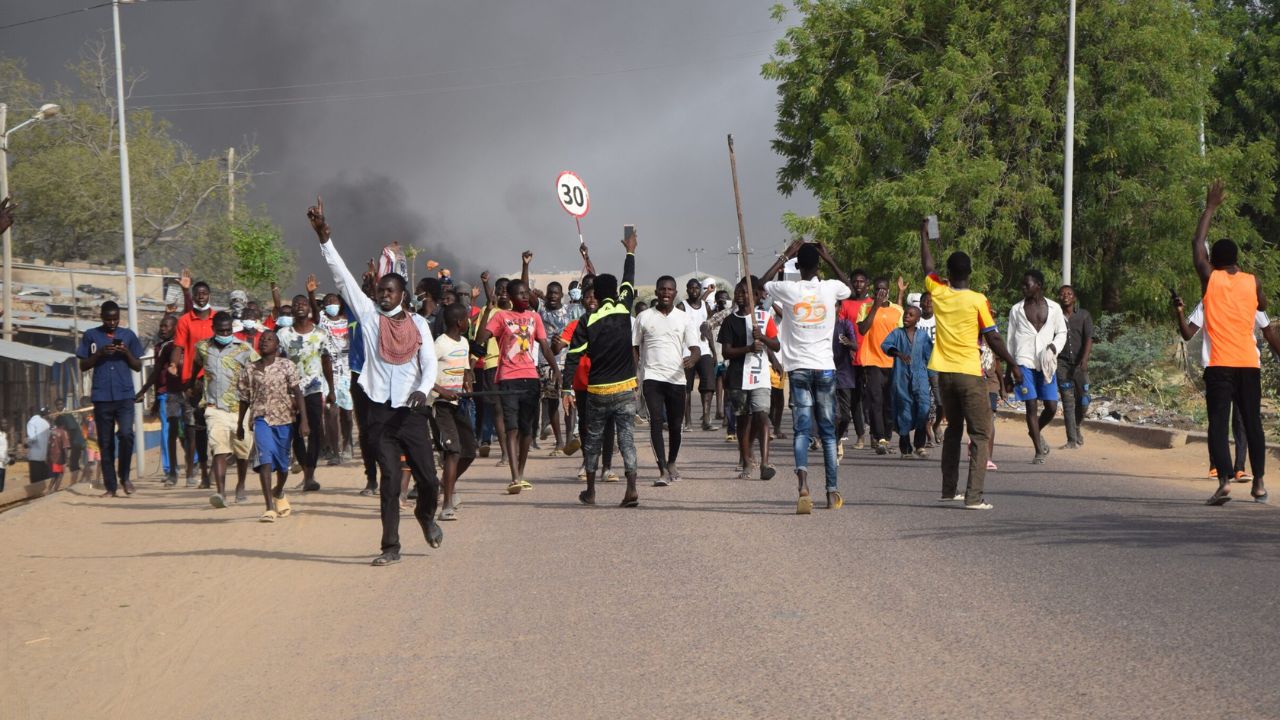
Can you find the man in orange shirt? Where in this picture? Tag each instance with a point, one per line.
(875, 321)
(1232, 301)
(193, 328)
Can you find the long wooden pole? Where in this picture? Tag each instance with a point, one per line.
(742, 231)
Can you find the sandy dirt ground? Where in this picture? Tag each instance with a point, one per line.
(1088, 592)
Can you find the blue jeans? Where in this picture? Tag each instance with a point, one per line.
(115, 422)
(619, 407)
(813, 393)
(162, 401)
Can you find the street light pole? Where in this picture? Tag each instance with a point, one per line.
(696, 252)
(126, 202)
(46, 111)
(1069, 142)
(736, 249)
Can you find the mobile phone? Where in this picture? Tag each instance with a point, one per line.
(931, 229)
(117, 342)
(628, 232)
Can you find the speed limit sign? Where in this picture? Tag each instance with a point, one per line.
(572, 194)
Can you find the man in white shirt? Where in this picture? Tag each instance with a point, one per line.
(1037, 332)
(809, 308)
(38, 446)
(399, 372)
(667, 344)
(697, 309)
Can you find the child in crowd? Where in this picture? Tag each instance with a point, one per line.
(453, 376)
(269, 391)
(910, 349)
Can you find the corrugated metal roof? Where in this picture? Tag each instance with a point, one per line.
(30, 353)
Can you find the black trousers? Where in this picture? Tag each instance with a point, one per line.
(395, 432)
(307, 451)
(1224, 386)
(665, 402)
(880, 400)
(368, 455)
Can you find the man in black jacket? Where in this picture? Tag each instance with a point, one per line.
(605, 338)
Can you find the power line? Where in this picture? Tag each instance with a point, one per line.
(411, 76)
(32, 21)
(385, 94)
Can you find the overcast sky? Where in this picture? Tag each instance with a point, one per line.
(444, 124)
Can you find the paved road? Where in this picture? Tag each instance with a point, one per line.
(1099, 587)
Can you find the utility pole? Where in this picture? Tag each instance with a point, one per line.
(8, 246)
(696, 252)
(1068, 145)
(736, 249)
(231, 185)
(126, 203)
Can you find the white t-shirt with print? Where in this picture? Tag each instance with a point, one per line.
(697, 316)
(808, 321)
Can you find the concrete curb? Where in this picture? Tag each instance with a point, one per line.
(1150, 436)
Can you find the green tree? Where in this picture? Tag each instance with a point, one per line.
(893, 109)
(65, 173)
(261, 256)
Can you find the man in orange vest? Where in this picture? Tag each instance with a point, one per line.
(1233, 303)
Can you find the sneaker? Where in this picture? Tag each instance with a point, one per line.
(882, 447)
(483, 451)
(662, 481)
(312, 486)
(982, 505)
(610, 476)
(171, 480)
(333, 461)
(730, 438)
(953, 498)
(582, 475)
(573, 446)
(191, 481)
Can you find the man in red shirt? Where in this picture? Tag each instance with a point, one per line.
(193, 328)
(850, 402)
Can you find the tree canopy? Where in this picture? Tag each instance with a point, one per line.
(890, 110)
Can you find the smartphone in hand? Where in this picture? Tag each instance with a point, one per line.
(931, 227)
(628, 232)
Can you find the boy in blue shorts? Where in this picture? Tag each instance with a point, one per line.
(1037, 332)
(269, 389)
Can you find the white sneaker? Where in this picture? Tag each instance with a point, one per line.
(957, 496)
(984, 505)
(661, 481)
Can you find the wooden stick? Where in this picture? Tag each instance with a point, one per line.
(742, 234)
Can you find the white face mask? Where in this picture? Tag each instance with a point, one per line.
(250, 324)
(285, 321)
(392, 312)
(201, 308)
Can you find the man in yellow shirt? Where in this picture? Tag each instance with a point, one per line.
(962, 316)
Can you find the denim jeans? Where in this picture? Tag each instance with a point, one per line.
(813, 393)
(115, 422)
(621, 408)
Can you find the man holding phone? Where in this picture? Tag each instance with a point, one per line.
(112, 353)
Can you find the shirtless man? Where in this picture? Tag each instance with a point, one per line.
(1037, 331)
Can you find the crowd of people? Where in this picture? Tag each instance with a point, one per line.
(428, 376)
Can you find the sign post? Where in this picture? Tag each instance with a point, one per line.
(572, 194)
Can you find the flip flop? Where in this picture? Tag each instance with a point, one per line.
(630, 503)
(1219, 498)
(804, 505)
(269, 516)
(282, 507)
(1262, 498)
(834, 500)
(514, 488)
(368, 492)
(586, 499)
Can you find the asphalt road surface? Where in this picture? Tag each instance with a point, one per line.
(1100, 586)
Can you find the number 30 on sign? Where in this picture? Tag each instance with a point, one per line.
(572, 194)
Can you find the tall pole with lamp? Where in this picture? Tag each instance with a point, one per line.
(46, 111)
(1068, 144)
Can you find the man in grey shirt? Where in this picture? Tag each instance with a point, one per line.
(38, 445)
(1073, 365)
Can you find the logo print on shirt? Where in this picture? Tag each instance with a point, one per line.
(809, 311)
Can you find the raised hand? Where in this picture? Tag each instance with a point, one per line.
(184, 280)
(475, 294)
(315, 214)
(630, 242)
(484, 278)
(902, 284)
(526, 257)
(312, 285)
(1217, 193)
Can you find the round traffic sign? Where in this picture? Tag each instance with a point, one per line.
(572, 194)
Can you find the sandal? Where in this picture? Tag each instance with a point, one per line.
(282, 507)
(804, 505)
(767, 472)
(1261, 498)
(1221, 497)
(834, 500)
(269, 516)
